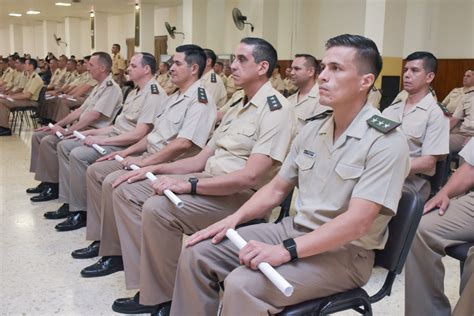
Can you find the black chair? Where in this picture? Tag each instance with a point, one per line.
(402, 230)
(439, 179)
(459, 252)
(285, 207)
(24, 113)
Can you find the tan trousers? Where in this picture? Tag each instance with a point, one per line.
(47, 109)
(424, 275)
(6, 106)
(202, 267)
(44, 158)
(151, 256)
(456, 140)
(74, 158)
(64, 106)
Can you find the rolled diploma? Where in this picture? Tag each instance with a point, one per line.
(266, 268)
(98, 148)
(10, 99)
(58, 133)
(169, 194)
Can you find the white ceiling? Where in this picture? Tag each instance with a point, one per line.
(51, 12)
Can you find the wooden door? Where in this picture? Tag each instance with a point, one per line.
(161, 46)
(130, 47)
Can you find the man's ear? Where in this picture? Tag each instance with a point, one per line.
(263, 67)
(367, 81)
(195, 70)
(430, 77)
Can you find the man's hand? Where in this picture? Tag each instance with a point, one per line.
(94, 140)
(132, 176)
(57, 128)
(440, 201)
(216, 231)
(127, 162)
(256, 252)
(178, 186)
(43, 129)
(112, 155)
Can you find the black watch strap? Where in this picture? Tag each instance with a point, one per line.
(290, 245)
(193, 182)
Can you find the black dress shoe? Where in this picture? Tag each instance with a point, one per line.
(5, 132)
(89, 252)
(38, 189)
(105, 266)
(131, 305)
(61, 212)
(75, 221)
(50, 192)
(162, 310)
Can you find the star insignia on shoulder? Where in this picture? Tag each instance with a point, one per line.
(274, 103)
(154, 89)
(109, 83)
(444, 109)
(202, 96)
(213, 78)
(382, 124)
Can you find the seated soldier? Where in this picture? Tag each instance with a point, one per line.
(164, 78)
(328, 247)
(27, 97)
(277, 82)
(422, 120)
(19, 77)
(244, 153)
(7, 78)
(452, 224)
(212, 82)
(374, 97)
(290, 88)
(98, 111)
(454, 98)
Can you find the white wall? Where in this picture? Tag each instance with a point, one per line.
(5, 42)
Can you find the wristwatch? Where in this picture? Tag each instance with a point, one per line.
(193, 181)
(290, 245)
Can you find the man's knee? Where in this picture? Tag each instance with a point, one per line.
(159, 208)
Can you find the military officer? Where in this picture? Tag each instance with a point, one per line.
(59, 73)
(230, 86)
(7, 77)
(276, 80)
(454, 98)
(304, 75)
(27, 97)
(451, 224)
(118, 64)
(164, 78)
(374, 97)
(19, 77)
(422, 120)
(244, 153)
(96, 112)
(290, 88)
(328, 247)
(213, 82)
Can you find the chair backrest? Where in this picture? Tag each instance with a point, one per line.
(42, 95)
(402, 229)
(440, 177)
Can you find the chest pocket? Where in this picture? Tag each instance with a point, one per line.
(304, 162)
(176, 114)
(467, 109)
(349, 171)
(414, 129)
(132, 110)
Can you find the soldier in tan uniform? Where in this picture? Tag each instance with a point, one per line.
(304, 76)
(19, 77)
(451, 224)
(212, 82)
(134, 122)
(277, 82)
(290, 88)
(374, 97)
(118, 65)
(454, 98)
(462, 121)
(230, 86)
(97, 111)
(27, 97)
(164, 78)
(219, 70)
(328, 247)
(422, 120)
(182, 128)
(243, 154)
(58, 73)
(7, 77)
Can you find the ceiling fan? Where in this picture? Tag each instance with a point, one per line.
(172, 30)
(240, 20)
(59, 41)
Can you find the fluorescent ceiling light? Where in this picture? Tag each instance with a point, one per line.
(14, 14)
(32, 12)
(63, 4)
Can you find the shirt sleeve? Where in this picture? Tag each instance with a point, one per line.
(108, 101)
(468, 152)
(198, 122)
(436, 141)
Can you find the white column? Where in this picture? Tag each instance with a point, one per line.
(72, 36)
(147, 27)
(101, 39)
(49, 44)
(16, 38)
(375, 22)
(194, 22)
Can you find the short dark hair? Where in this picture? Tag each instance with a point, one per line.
(72, 61)
(210, 55)
(21, 60)
(104, 59)
(117, 45)
(166, 65)
(33, 62)
(149, 60)
(311, 61)
(262, 51)
(430, 62)
(193, 54)
(368, 56)
(220, 63)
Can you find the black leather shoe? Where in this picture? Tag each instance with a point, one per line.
(61, 212)
(131, 305)
(75, 221)
(50, 192)
(105, 266)
(162, 310)
(5, 132)
(89, 252)
(38, 189)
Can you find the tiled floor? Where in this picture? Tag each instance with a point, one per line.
(39, 277)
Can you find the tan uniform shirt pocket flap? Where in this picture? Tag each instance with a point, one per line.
(304, 162)
(349, 171)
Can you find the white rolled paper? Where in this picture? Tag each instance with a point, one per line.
(71, 99)
(58, 133)
(10, 99)
(272, 274)
(99, 149)
(169, 194)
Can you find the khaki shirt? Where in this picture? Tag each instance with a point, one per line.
(465, 112)
(374, 97)
(403, 95)
(33, 85)
(224, 78)
(277, 83)
(230, 86)
(141, 106)
(165, 82)
(7, 77)
(468, 152)
(363, 163)
(105, 98)
(307, 107)
(118, 63)
(215, 87)
(454, 99)
(57, 76)
(426, 129)
(289, 86)
(252, 128)
(183, 116)
(233, 101)
(19, 80)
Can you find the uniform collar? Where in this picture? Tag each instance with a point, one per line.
(260, 98)
(469, 89)
(103, 83)
(147, 86)
(426, 102)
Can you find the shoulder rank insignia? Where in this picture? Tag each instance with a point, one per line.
(382, 124)
(154, 89)
(202, 97)
(374, 88)
(236, 102)
(109, 83)
(274, 103)
(395, 102)
(320, 116)
(469, 92)
(444, 109)
(213, 78)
